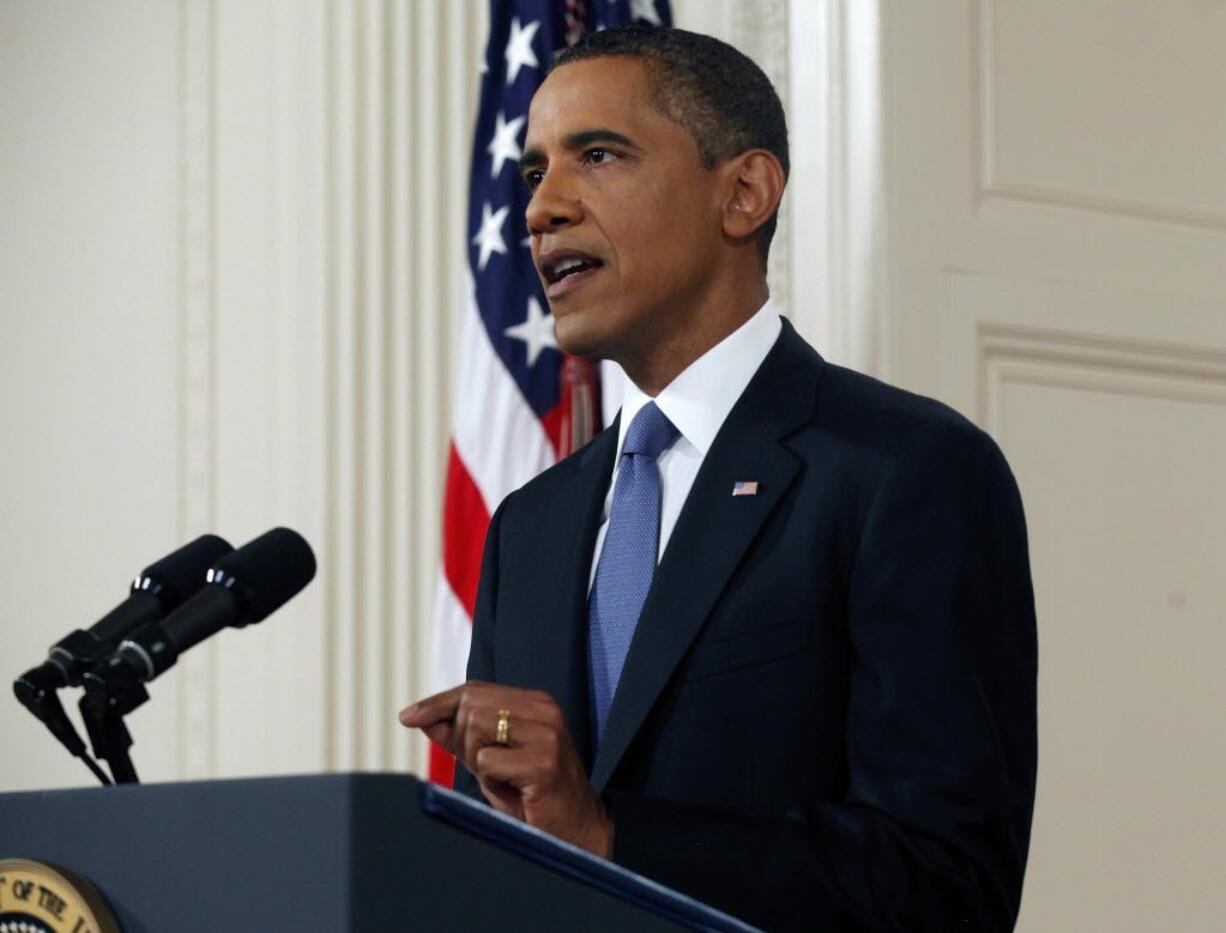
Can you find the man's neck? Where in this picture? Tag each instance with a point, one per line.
(668, 358)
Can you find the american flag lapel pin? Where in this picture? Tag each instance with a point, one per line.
(745, 488)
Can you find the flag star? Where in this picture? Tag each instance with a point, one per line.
(505, 144)
(536, 331)
(519, 48)
(489, 237)
(645, 9)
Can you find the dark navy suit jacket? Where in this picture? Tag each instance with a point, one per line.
(826, 719)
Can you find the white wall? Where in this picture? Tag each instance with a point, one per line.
(90, 337)
(232, 245)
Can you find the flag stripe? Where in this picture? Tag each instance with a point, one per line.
(442, 766)
(464, 526)
(452, 637)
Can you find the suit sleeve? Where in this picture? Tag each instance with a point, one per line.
(481, 653)
(933, 830)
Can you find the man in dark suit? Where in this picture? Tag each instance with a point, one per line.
(818, 708)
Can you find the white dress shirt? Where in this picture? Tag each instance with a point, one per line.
(697, 402)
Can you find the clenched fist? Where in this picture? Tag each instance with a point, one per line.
(534, 773)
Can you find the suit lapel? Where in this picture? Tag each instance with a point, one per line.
(712, 534)
(558, 662)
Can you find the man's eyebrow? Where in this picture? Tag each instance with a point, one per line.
(534, 157)
(600, 134)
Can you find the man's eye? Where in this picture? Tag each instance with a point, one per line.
(533, 179)
(597, 156)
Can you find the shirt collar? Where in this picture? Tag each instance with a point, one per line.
(700, 398)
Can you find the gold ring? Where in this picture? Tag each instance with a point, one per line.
(502, 732)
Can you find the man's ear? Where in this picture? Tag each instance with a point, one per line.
(756, 186)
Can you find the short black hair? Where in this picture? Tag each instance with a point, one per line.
(715, 92)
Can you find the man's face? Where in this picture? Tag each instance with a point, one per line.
(624, 218)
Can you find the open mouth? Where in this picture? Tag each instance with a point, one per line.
(564, 270)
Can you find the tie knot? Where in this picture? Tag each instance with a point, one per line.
(650, 432)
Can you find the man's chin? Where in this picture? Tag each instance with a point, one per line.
(577, 339)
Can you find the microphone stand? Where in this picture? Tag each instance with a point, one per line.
(111, 692)
(36, 690)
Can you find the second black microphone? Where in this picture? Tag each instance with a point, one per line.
(242, 588)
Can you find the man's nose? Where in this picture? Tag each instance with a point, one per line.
(552, 206)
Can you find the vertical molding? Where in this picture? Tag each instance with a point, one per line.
(331, 598)
(810, 187)
(198, 379)
(399, 116)
(881, 211)
(432, 303)
(983, 58)
(292, 709)
(399, 240)
(371, 576)
(446, 45)
(342, 425)
(864, 188)
(839, 180)
(759, 28)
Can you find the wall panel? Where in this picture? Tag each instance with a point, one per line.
(1104, 106)
(90, 404)
(1129, 802)
(1109, 403)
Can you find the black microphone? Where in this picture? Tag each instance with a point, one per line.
(159, 589)
(242, 588)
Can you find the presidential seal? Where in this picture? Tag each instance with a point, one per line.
(39, 898)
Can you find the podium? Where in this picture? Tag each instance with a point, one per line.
(335, 852)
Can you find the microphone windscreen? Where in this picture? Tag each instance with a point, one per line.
(267, 572)
(181, 573)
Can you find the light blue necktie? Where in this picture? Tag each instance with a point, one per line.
(628, 557)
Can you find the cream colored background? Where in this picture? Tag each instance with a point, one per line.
(231, 247)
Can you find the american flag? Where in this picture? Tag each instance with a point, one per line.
(518, 405)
